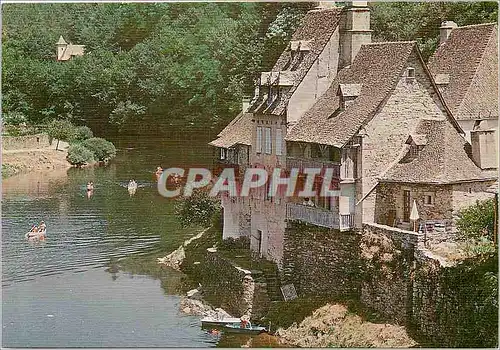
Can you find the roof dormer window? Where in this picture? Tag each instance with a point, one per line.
(416, 144)
(348, 94)
(410, 73)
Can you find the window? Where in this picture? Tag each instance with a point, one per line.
(258, 145)
(267, 141)
(429, 198)
(279, 142)
(410, 72)
(223, 154)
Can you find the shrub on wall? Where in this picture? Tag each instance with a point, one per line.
(478, 220)
(197, 209)
(79, 155)
(101, 148)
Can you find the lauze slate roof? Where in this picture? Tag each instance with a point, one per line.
(470, 59)
(443, 159)
(314, 32)
(377, 68)
(238, 131)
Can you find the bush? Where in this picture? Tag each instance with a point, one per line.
(478, 220)
(79, 155)
(82, 133)
(101, 148)
(198, 209)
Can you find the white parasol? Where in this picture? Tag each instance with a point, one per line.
(414, 215)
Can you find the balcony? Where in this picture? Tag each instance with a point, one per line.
(312, 215)
(302, 163)
(346, 222)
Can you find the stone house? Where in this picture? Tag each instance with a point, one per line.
(437, 170)
(65, 51)
(465, 69)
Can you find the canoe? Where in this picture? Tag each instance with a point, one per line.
(218, 322)
(36, 235)
(248, 329)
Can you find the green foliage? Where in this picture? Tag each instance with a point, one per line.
(82, 133)
(468, 310)
(79, 155)
(197, 209)
(145, 65)
(61, 130)
(394, 21)
(101, 149)
(477, 221)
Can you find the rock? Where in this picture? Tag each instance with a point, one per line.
(192, 292)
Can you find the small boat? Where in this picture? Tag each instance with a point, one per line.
(218, 322)
(245, 328)
(36, 235)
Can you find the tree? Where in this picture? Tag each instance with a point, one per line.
(60, 130)
(420, 21)
(102, 149)
(477, 221)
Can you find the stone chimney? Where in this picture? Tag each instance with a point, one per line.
(445, 30)
(484, 148)
(354, 31)
(245, 104)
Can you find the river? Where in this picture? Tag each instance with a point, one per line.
(65, 292)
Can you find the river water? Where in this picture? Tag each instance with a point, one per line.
(62, 292)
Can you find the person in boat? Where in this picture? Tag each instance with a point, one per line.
(90, 186)
(158, 172)
(34, 228)
(42, 227)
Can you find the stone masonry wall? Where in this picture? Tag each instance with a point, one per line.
(387, 256)
(25, 142)
(319, 261)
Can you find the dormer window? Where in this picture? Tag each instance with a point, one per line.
(417, 143)
(348, 94)
(410, 73)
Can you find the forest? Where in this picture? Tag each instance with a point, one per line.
(153, 67)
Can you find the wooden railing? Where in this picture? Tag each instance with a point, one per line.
(302, 163)
(346, 222)
(312, 215)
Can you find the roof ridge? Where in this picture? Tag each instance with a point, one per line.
(392, 42)
(476, 25)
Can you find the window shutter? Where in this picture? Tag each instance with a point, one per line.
(259, 140)
(279, 142)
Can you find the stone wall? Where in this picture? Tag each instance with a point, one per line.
(442, 305)
(319, 261)
(230, 287)
(25, 142)
(389, 197)
(387, 259)
(269, 219)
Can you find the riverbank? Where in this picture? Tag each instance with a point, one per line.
(230, 279)
(28, 160)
